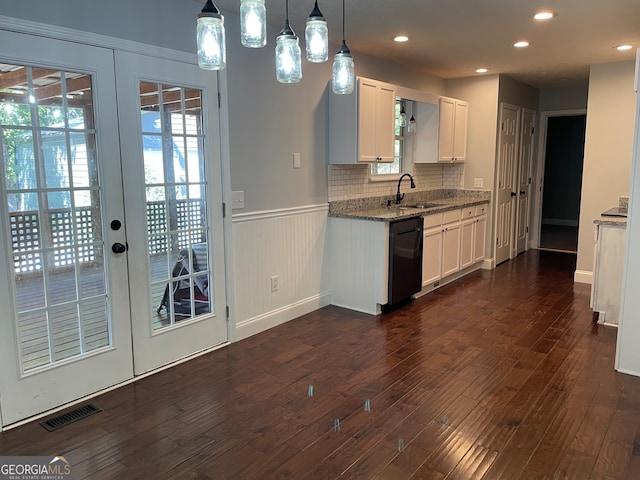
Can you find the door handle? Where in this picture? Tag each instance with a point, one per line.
(513, 194)
(118, 248)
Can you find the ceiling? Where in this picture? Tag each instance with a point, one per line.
(451, 38)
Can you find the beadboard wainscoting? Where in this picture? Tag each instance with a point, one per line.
(290, 244)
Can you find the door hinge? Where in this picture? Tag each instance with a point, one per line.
(529, 180)
(497, 241)
(224, 210)
(533, 130)
(527, 229)
(219, 100)
(227, 310)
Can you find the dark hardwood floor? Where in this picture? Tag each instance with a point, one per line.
(501, 375)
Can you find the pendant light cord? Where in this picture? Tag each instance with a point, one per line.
(342, 21)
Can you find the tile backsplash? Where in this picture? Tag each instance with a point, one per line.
(352, 181)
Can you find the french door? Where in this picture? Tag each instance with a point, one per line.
(172, 173)
(101, 229)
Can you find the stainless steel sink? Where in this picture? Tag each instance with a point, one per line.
(423, 206)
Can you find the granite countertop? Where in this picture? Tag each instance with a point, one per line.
(375, 208)
(611, 221)
(615, 221)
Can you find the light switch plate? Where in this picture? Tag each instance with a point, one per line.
(237, 199)
(296, 160)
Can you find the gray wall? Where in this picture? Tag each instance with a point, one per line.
(566, 98)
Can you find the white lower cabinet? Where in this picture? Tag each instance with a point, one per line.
(451, 233)
(480, 239)
(432, 249)
(453, 241)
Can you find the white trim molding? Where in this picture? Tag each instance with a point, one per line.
(583, 276)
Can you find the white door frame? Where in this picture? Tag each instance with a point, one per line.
(105, 41)
(537, 194)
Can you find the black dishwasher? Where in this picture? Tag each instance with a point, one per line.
(405, 259)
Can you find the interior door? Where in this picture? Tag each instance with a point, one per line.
(64, 328)
(524, 179)
(506, 181)
(170, 129)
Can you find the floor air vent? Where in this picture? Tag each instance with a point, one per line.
(70, 417)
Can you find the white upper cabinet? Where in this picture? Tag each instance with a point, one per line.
(362, 125)
(452, 135)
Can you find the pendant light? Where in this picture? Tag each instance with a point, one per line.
(212, 53)
(288, 58)
(317, 36)
(253, 23)
(412, 124)
(343, 79)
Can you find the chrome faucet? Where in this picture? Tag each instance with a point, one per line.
(400, 196)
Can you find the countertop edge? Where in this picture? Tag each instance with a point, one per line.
(392, 213)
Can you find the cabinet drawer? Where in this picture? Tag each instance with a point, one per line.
(468, 212)
(430, 221)
(482, 209)
(451, 216)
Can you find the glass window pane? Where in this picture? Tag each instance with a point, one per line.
(91, 272)
(33, 333)
(65, 332)
(79, 101)
(153, 159)
(56, 167)
(95, 331)
(19, 159)
(13, 112)
(30, 291)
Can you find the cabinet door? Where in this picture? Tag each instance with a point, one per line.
(367, 106)
(480, 238)
(460, 131)
(445, 131)
(431, 255)
(467, 246)
(450, 248)
(386, 124)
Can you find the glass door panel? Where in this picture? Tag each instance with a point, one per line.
(176, 199)
(53, 202)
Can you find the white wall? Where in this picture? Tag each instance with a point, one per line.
(608, 151)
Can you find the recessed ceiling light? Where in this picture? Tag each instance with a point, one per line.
(622, 48)
(521, 44)
(544, 15)
(482, 70)
(401, 38)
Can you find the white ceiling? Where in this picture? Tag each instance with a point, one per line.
(451, 38)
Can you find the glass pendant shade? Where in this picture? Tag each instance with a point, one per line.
(412, 124)
(343, 79)
(316, 36)
(288, 59)
(212, 54)
(253, 23)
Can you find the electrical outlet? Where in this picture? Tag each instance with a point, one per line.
(274, 283)
(237, 199)
(478, 182)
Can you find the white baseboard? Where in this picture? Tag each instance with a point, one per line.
(628, 372)
(282, 315)
(583, 276)
(488, 264)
